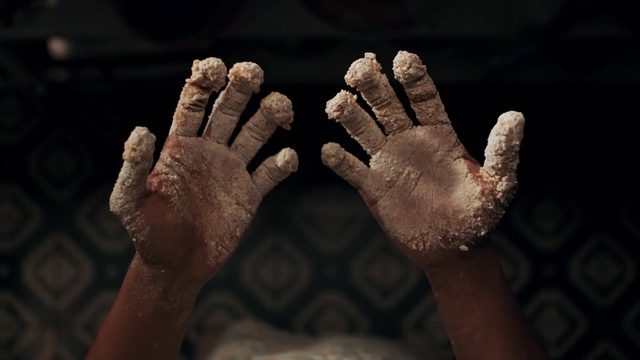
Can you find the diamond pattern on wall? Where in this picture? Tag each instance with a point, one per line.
(631, 323)
(18, 326)
(516, 266)
(60, 164)
(16, 118)
(606, 351)
(331, 312)
(331, 217)
(547, 219)
(48, 308)
(602, 269)
(275, 271)
(52, 345)
(57, 271)
(90, 318)
(100, 225)
(556, 321)
(424, 329)
(383, 274)
(19, 217)
(213, 313)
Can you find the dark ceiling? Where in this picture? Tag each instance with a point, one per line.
(68, 42)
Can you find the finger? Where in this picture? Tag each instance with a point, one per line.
(245, 79)
(364, 74)
(275, 169)
(207, 76)
(359, 124)
(501, 154)
(138, 158)
(275, 109)
(422, 93)
(347, 166)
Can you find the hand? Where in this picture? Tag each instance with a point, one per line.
(422, 186)
(189, 213)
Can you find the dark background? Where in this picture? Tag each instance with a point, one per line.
(77, 76)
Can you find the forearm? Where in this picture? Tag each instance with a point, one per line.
(149, 317)
(482, 317)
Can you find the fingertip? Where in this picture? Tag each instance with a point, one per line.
(341, 105)
(247, 74)
(503, 145)
(138, 158)
(512, 117)
(287, 160)
(511, 125)
(141, 143)
(408, 67)
(331, 154)
(363, 71)
(345, 165)
(208, 73)
(278, 108)
(274, 170)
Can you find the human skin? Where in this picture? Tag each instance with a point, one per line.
(187, 214)
(430, 197)
(436, 202)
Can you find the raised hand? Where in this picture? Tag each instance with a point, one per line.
(422, 186)
(189, 213)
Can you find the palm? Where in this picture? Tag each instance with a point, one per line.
(205, 194)
(189, 213)
(431, 189)
(421, 185)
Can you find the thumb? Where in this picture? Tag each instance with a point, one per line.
(501, 154)
(138, 158)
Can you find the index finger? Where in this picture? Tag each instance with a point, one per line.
(245, 79)
(420, 89)
(207, 76)
(364, 74)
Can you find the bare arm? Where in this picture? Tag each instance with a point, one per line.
(436, 202)
(186, 216)
(482, 317)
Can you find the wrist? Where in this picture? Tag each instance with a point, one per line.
(480, 312)
(149, 317)
(165, 286)
(468, 270)
(442, 259)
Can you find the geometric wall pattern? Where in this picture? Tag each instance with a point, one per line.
(558, 322)
(313, 260)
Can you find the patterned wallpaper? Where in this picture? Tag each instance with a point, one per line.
(314, 260)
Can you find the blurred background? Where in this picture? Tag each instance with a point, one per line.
(76, 76)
